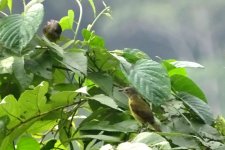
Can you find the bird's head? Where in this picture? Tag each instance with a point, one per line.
(128, 91)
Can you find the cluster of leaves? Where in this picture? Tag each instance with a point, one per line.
(66, 95)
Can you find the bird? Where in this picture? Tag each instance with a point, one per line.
(52, 30)
(139, 108)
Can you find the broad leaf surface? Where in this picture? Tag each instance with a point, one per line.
(27, 143)
(151, 80)
(182, 83)
(16, 30)
(76, 60)
(200, 108)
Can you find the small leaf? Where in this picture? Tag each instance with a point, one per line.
(186, 64)
(131, 55)
(10, 3)
(200, 108)
(66, 22)
(93, 7)
(27, 143)
(150, 79)
(105, 100)
(182, 83)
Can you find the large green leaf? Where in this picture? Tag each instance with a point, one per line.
(200, 108)
(150, 79)
(17, 30)
(182, 83)
(27, 143)
(153, 140)
(76, 59)
(104, 81)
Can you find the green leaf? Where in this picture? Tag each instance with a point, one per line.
(42, 126)
(40, 66)
(186, 64)
(3, 4)
(62, 98)
(9, 106)
(105, 100)
(27, 143)
(93, 39)
(66, 22)
(124, 126)
(10, 4)
(4, 120)
(93, 7)
(22, 77)
(131, 55)
(33, 102)
(65, 131)
(151, 80)
(153, 140)
(104, 81)
(182, 83)
(17, 30)
(106, 138)
(220, 124)
(49, 145)
(75, 59)
(200, 108)
(172, 70)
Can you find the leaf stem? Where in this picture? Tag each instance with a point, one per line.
(99, 15)
(79, 20)
(3, 13)
(24, 5)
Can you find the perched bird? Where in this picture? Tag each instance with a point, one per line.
(52, 30)
(140, 109)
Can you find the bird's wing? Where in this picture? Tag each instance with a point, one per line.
(143, 113)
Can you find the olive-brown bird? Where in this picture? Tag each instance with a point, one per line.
(140, 109)
(52, 30)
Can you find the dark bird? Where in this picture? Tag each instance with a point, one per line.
(52, 30)
(140, 109)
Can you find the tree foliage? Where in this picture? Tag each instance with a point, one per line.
(65, 95)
